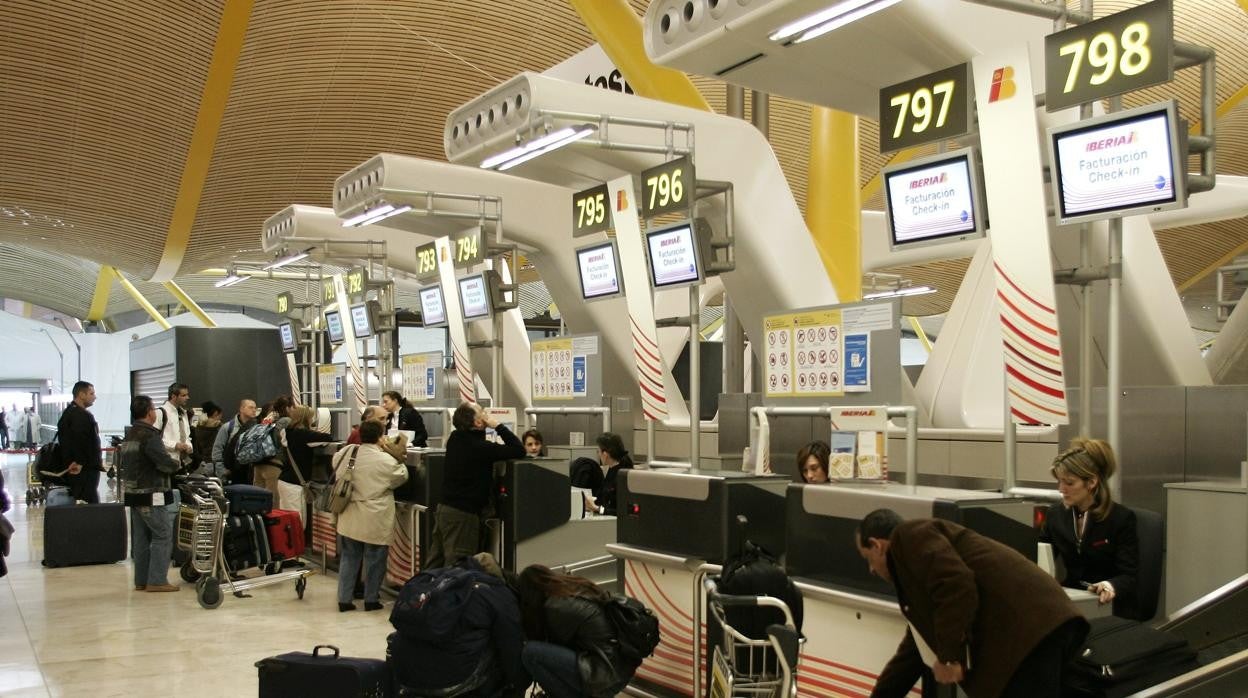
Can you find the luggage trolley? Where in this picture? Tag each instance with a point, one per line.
(744, 666)
(201, 532)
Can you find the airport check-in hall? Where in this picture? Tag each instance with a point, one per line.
(624, 347)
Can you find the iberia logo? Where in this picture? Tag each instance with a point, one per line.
(929, 181)
(1002, 84)
(1111, 142)
(621, 200)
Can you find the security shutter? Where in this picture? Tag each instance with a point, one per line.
(152, 382)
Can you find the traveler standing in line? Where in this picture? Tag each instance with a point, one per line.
(79, 436)
(979, 614)
(572, 649)
(1094, 536)
(367, 524)
(300, 433)
(204, 435)
(279, 408)
(4, 429)
(15, 428)
(32, 424)
(246, 417)
(613, 457)
(404, 417)
(145, 469)
(396, 446)
(174, 422)
(467, 482)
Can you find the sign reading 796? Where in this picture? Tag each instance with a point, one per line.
(668, 187)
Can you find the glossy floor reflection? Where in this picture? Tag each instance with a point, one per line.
(84, 631)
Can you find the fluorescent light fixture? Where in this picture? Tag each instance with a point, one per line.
(538, 146)
(288, 259)
(380, 213)
(838, 15)
(894, 293)
(230, 281)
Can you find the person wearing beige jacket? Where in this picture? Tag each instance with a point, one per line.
(367, 524)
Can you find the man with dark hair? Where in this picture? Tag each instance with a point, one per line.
(466, 483)
(979, 614)
(145, 470)
(613, 458)
(79, 436)
(174, 422)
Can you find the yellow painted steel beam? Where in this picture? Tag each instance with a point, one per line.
(189, 303)
(225, 53)
(918, 331)
(618, 29)
(140, 299)
(99, 302)
(833, 203)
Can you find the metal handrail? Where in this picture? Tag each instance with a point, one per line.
(604, 411)
(907, 412)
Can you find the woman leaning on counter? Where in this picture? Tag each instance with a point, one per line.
(1094, 536)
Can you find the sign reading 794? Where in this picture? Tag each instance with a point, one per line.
(668, 187)
(1125, 51)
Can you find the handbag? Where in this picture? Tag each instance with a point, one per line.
(335, 498)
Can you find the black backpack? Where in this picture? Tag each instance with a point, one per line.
(229, 457)
(636, 627)
(431, 604)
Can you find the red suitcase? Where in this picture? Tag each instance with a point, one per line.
(285, 534)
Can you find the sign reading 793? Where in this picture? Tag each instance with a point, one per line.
(668, 187)
(1125, 51)
(934, 107)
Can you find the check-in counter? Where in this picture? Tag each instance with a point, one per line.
(540, 522)
(570, 453)
(671, 522)
(413, 514)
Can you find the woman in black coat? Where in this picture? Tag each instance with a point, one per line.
(1094, 537)
(572, 649)
(404, 417)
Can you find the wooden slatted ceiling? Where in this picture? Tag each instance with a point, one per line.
(99, 98)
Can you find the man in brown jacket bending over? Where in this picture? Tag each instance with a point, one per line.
(980, 614)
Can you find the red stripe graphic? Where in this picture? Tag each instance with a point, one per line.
(656, 396)
(638, 331)
(1036, 405)
(1035, 364)
(642, 346)
(1039, 325)
(1024, 418)
(1021, 292)
(647, 371)
(1035, 343)
(1054, 392)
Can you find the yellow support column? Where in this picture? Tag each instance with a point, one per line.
(189, 303)
(138, 298)
(99, 302)
(618, 29)
(833, 199)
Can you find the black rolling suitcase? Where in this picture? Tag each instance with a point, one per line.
(1121, 657)
(303, 675)
(84, 534)
(248, 499)
(246, 542)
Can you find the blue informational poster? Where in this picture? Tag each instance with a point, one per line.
(429, 382)
(578, 376)
(337, 388)
(857, 362)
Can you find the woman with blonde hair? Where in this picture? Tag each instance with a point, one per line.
(300, 434)
(1094, 536)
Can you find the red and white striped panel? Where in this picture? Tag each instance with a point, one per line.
(1032, 352)
(649, 362)
(463, 372)
(324, 533)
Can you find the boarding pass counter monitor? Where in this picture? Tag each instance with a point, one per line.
(541, 523)
(695, 514)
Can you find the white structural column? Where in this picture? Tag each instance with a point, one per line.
(359, 390)
(455, 321)
(1019, 232)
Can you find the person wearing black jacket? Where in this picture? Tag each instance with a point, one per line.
(614, 458)
(572, 649)
(145, 470)
(79, 437)
(1093, 536)
(467, 482)
(404, 417)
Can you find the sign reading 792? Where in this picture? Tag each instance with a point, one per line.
(1125, 51)
(668, 187)
(934, 107)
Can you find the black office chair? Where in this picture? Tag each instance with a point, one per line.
(1150, 528)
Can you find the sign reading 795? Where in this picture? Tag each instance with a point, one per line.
(590, 213)
(1125, 51)
(668, 187)
(930, 108)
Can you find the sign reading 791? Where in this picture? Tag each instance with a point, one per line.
(668, 187)
(1125, 51)
(934, 107)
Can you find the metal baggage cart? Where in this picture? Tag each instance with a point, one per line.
(201, 532)
(36, 492)
(745, 666)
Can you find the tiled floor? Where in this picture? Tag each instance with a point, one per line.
(84, 631)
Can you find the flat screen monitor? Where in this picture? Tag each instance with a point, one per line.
(474, 297)
(432, 307)
(934, 200)
(288, 333)
(333, 325)
(674, 257)
(362, 320)
(599, 266)
(1118, 164)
